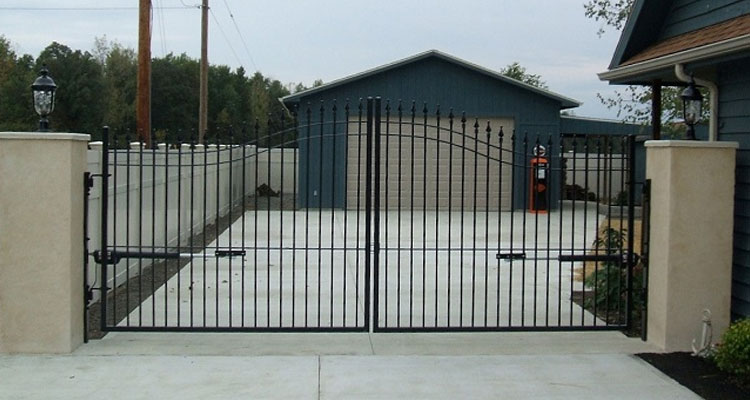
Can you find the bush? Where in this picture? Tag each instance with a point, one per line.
(610, 281)
(733, 355)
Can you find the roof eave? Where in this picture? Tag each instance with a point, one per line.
(565, 102)
(629, 72)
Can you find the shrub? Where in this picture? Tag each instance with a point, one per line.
(610, 280)
(733, 355)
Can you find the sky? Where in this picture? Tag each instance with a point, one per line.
(301, 41)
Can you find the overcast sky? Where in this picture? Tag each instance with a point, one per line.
(300, 41)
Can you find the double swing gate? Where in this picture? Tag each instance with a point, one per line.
(369, 216)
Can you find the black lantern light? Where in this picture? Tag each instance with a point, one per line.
(692, 107)
(43, 91)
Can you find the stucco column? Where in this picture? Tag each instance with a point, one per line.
(41, 242)
(690, 264)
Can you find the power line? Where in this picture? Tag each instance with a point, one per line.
(226, 38)
(237, 28)
(11, 8)
(162, 27)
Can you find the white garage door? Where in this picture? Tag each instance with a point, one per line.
(447, 167)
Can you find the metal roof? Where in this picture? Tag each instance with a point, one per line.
(565, 102)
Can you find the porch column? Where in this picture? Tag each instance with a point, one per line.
(692, 218)
(41, 241)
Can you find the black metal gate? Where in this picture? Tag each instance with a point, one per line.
(368, 217)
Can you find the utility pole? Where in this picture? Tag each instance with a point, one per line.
(143, 101)
(203, 108)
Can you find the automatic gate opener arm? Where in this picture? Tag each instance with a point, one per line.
(114, 256)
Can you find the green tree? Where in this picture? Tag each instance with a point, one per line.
(612, 13)
(16, 76)
(79, 106)
(633, 103)
(519, 73)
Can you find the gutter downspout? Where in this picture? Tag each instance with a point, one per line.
(713, 124)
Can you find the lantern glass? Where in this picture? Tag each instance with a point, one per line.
(44, 102)
(693, 110)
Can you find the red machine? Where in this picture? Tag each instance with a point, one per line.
(538, 182)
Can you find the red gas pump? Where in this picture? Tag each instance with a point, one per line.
(538, 183)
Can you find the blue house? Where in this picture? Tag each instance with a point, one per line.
(430, 79)
(663, 43)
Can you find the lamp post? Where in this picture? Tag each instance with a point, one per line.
(43, 92)
(692, 107)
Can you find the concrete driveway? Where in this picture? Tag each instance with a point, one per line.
(585, 365)
(436, 269)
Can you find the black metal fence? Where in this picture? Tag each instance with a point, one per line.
(368, 216)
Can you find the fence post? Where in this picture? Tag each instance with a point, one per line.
(41, 252)
(691, 232)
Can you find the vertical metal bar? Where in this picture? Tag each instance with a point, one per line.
(526, 199)
(563, 181)
(451, 121)
(536, 240)
(368, 210)
(411, 219)
(359, 213)
(487, 225)
(104, 225)
(596, 235)
(514, 186)
(631, 227)
(424, 216)
(166, 234)
(386, 209)
(244, 143)
(230, 197)
(474, 225)
(114, 226)
(437, 213)
(500, 210)
(346, 217)
(376, 222)
(549, 225)
(282, 147)
(463, 199)
(204, 229)
(179, 224)
(645, 251)
(127, 225)
(140, 300)
(399, 244)
(573, 227)
(256, 194)
(154, 146)
(269, 146)
(321, 135)
(192, 226)
(333, 158)
(585, 221)
(86, 290)
(295, 197)
(216, 224)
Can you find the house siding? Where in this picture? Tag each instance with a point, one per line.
(734, 125)
(431, 81)
(690, 15)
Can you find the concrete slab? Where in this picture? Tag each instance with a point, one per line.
(436, 269)
(299, 344)
(512, 377)
(592, 376)
(158, 377)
